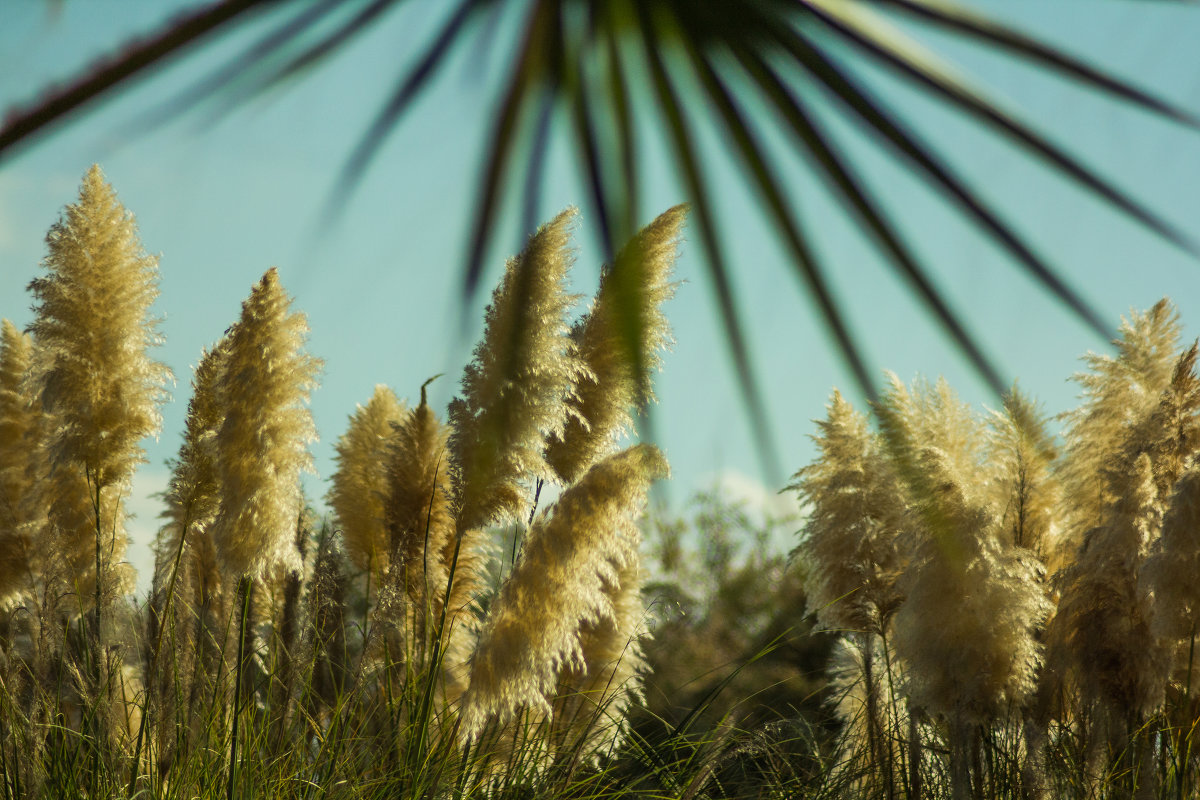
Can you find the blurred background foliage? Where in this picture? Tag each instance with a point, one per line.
(731, 644)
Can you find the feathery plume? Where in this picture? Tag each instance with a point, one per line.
(420, 522)
(1169, 575)
(419, 519)
(570, 556)
(515, 390)
(17, 424)
(1024, 488)
(360, 482)
(100, 384)
(1119, 392)
(855, 514)
(1170, 432)
(189, 599)
(1101, 633)
(592, 706)
(619, 339)
(261, 446)
(193, 494)
(980, 659)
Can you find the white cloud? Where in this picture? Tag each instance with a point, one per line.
(758, 499)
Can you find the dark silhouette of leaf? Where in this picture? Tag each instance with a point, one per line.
(718, 270)
(23, 125)
(849, 187)
(575, 55)
(963, 20)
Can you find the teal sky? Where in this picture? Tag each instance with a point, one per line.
(223, 196)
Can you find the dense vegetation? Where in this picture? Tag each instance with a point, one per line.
(976, 606)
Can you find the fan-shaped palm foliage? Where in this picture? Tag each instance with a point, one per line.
(611, 65)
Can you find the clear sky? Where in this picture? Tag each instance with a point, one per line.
(223, 196)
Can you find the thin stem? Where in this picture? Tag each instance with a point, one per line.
(245, 587)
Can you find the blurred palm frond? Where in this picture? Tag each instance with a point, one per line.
(608, 64)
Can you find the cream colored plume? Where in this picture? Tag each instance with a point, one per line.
(1119, 393)
(1169, 577)
(261, 446)
(571, 562)
(420, 524)
(930, 415)
(619, 339)
(360, 482)
(1102, 632)
(592, 706)
(1170, 433)
(17, 428)
(1025, 491)
(966, 632)
(103, 390)
(193, 494)
(856, 512)
(515, 390)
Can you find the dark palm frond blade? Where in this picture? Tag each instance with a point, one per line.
(485, 43)
(751, 152)
(589, 148)
(178, 35)
(907, 62)
(962, 20)
(878, 119)
(619, 97)
(407, 90)
(620, 220)
(846, 184)
(326, 46)
(243, 64)
(718, 271)
(535, 170)
(525, 71)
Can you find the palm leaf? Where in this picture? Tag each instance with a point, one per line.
(589, 58)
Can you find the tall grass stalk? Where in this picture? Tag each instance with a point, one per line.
(245, 592)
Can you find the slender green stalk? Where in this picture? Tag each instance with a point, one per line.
(245, 589)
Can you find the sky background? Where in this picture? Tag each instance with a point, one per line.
(224, 194)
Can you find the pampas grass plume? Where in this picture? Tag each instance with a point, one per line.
(91, 319)
(17, 422)
(515, 390)
(360, 482)
(571, 555)
(966, 630)
(99, 383)
(1118, 392)
(855, 514)
(262, 444)
(619, 338)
